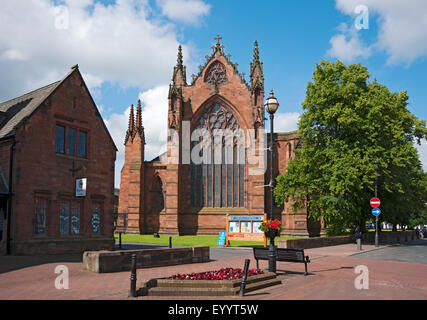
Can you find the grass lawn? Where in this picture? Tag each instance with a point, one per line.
(209, 241)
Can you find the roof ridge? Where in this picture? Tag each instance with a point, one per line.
(30, 92)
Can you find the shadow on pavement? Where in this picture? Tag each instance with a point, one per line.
(335, 269)
(12, 263)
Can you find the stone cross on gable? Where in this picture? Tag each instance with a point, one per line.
(217, 38)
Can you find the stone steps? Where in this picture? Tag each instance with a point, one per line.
(164, 287)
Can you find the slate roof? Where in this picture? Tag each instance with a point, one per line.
(14, 111)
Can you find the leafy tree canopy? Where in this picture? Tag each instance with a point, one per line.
(347, 124)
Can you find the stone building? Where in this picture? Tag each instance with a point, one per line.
(56, 171)
(177, 194)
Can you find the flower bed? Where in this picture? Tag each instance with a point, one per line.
(221, 274)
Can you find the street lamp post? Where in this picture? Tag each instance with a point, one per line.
(271, 106)
(376, 195)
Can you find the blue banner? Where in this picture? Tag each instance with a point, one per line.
(247, 218)
(221, 239)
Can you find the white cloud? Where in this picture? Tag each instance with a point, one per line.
(285, 122)
(154, 120)
(123, 43)
(189, 11)
(348, 50)
(402, 26)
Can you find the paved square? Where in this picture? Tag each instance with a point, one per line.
(332, 275)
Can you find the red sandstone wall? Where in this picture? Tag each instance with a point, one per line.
(178, 216)
(38, 170)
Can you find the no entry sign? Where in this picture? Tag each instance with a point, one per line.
(375, 202)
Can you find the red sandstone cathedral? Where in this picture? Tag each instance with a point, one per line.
(178, 194)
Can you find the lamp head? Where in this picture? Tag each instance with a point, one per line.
(271, 105)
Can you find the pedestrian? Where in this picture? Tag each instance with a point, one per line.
(358, 237)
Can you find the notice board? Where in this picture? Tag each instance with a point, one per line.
(245, 228)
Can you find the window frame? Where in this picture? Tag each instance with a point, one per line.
(46, 213)
(78, 130)
(101, 210)
(70, 202)
(63, 138)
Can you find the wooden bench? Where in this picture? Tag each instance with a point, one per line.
(288, 255)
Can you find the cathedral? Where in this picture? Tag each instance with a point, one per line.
(216, 161)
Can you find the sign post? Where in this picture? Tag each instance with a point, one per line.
(375, 203)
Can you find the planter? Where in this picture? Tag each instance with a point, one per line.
(201, 288)
(272, 233)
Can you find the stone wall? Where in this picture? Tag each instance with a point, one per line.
(116, 261)
(61, 246)
(367, 238)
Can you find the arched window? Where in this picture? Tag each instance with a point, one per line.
(158, 204)
(216, 74)
(217, 160)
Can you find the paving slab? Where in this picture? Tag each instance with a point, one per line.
(332, 276)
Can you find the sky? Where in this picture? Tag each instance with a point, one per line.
(126, 50)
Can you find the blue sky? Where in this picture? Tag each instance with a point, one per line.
(126, 49)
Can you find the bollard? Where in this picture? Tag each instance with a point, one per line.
(359, 244)
(245, 275)
(133, 276)
(170, 242)
(120, 240)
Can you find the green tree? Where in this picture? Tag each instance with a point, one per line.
(347, 124)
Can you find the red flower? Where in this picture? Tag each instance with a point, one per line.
(222, 274)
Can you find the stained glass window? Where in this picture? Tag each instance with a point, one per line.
(96, 218)
(69, 212)
(40, 216)
(216, 74)
(219, 180)
(75, 218)
(64, 212)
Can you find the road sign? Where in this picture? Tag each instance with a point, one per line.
(375, 202)
(376, 212)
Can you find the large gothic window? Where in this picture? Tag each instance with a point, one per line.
(217, 160)
(216, 74)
